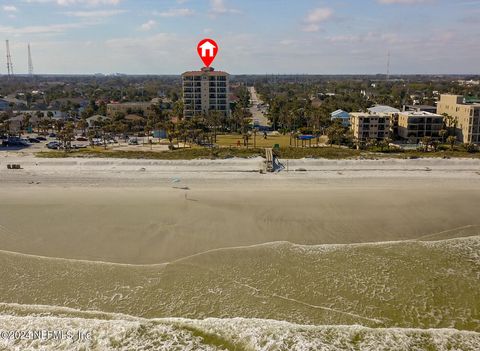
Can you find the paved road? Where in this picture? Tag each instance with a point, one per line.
(258, 117)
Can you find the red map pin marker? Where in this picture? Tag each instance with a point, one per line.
(207, 50)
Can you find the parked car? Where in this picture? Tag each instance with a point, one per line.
(52, 135)
(33, 140)
(15, 141)
(41, 138)
(53, 145)
(206, 144)
(82, 139)
(133, 142)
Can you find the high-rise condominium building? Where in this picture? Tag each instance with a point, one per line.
(204, 91)
(467, 115)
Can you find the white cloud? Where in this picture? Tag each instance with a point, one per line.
(161, 42)
(46, 29)
(219, 7)
(311, 28)
(77, 2)
(149, 25)
(319, 15)
(175, 13)
(316, 17)
(287, 42)
(94, 14)
(9, 8)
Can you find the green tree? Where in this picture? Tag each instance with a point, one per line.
(83, 125)
(451, 123)
(470, 147)
(443, 134)
(451, 140)
(177, 110)
(335, 134)
(214, 121)
(67, 135)
(26, 121)
(426, 141)
(385, 144)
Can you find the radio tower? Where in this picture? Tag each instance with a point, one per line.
(9, 60)
(30, 63)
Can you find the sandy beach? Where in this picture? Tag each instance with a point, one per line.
(147, 212)
(385, 244)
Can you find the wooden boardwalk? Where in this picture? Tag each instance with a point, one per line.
(269, 160)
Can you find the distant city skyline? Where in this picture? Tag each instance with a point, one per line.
(255, 36)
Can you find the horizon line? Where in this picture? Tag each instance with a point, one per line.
(237, 74)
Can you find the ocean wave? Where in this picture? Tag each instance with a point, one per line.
(120, 332)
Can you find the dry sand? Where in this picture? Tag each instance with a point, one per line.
(134, 211)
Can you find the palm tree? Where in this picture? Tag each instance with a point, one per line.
(451, 123)
(239, 115)
(357, 143)
(213, 120)
(82, 124)
(44, 125)
(39, 115)
(443, 133)
(385, 143)
(177, 110)
(372, 142)
(67, 135)
(426, 141)
(171, 132)
(26, 121)
(451, 140)
(59, 125)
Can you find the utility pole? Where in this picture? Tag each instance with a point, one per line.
(30, 62)
(9, 60)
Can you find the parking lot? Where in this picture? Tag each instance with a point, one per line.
(25, 146)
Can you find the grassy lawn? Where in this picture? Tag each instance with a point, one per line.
(282, 140)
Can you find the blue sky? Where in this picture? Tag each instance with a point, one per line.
(255, 36)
